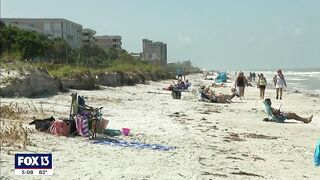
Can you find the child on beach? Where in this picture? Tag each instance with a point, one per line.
(286, 115)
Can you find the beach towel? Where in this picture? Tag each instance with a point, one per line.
(317, 154)
(114, 142)
(82, 125)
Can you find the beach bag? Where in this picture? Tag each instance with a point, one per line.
(317, 154)
(72, 126)
(59, 128)
(43, 125)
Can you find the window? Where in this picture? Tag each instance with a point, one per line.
(115, 46)
(114, 40)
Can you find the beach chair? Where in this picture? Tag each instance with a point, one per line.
(78, 105)
(95, 123)
(83, 123)
(202, 96)
(199, 94)
(271, 116)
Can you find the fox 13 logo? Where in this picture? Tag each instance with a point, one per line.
(33, 164)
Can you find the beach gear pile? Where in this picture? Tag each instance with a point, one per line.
(83, 120)
(176, 89)
(54, 126)
(86, 121)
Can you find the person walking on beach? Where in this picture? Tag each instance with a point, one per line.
(262, 83)
(241, 82)
(280, 83)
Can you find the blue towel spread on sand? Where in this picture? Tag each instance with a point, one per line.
(138, 145)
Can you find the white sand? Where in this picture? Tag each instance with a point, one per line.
(214, 141)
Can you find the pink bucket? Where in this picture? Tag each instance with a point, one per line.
(125, 131)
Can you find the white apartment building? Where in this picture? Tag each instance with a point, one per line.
(62, 28)
(106, 42)
(87, 37)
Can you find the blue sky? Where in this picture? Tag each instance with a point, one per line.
(220, 34)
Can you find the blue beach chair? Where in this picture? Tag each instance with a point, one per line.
(271, 116)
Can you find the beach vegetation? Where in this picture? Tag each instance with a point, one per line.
(20, 47)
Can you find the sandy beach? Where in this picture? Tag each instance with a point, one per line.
(213, 141)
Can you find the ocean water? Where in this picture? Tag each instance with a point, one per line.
(305, 80)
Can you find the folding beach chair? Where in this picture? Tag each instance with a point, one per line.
(202, 97)
(78, 105)
(271, 116)
(94, 122)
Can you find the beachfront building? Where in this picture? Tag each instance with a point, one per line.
(87, 37)
(154, 51)
(68, 30)
(106, 42)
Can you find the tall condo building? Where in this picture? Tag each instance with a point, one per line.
(154, 51)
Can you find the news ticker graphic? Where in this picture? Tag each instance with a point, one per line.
(33, 164)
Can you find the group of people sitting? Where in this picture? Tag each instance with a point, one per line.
(205, 93)
(180, 85)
